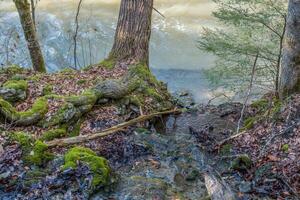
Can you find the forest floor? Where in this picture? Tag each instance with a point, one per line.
(263, 161)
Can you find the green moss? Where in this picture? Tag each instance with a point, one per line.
(74, 130)
(33, 152)
(249, 123)
(40, 107)
(153, 93)
(144, 73)
(39, 154)
(18, 77)
(226, 149)
(16, 84)
(285, 148)
(24, 139)
(108, 63)
(67, 71)
(53, 134)
(66, 112)
(243, 162)
(82, 81)
(35, 77)
(8, 110)
(98, 165)
(12, 70)
(87, 97)
(34, 177)
(260, 104)
(277, 104)
(47, 90)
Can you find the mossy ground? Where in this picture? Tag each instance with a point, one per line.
(16, 84)
(98, 165)
(34, 152)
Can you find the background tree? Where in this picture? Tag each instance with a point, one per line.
(290, 75)
(133, 32)
(248, 27)
(23, 7)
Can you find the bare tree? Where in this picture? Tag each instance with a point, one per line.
(23, 7)
(290, 65)
(133, 31)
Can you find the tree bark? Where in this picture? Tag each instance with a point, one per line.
(28, 26)
(133, 31)
(290, 65)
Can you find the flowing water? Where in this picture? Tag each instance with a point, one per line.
(174, 56)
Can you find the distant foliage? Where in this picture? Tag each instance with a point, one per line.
(247, 27)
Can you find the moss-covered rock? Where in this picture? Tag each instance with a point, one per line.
(242, 162)
(16, 84)
(14, 90)
(98, 165)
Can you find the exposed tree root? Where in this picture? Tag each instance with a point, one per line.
(137, 85)
(119, 127)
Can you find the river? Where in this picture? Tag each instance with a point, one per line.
(174, 56)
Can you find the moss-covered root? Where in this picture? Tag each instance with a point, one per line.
(98, 165)
(24, 118)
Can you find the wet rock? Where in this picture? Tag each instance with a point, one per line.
(184, 99)
(245, 187)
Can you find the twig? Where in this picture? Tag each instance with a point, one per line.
(230, 138)
(248, 94)
(119, 127)
(76, 33)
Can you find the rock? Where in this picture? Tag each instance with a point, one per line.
(12, 95)
(4, 175)
(103, 101)
(245, 187)
(184, 99)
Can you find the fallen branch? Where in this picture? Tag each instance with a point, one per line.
(231, 137)
(119, 127)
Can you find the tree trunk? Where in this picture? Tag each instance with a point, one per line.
(133, 32)
(28, 26)
(290, 65)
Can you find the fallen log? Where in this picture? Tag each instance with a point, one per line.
(119, 127)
